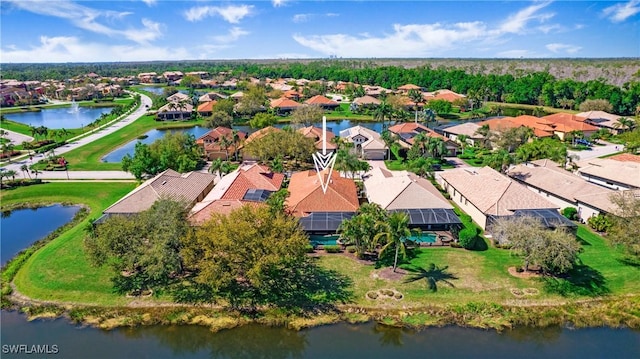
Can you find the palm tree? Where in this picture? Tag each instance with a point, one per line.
(416, 98)
(433, 274)
(485, 132)
(225, 142)
(624, 123)
(277, 165)
(462, 139)
(25, 169)
(381, 112)
(215, 166)
(11, 173)
(422, 166)
(236, 142)
(437, 147)
(35, 172)
(500, 160)
(395, 230)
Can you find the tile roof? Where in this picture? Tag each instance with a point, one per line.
(602, 119)
(408, 87)
(627, 173)
(467, 129)
(625, 157)
(306, 194)
(171, 184)
(209, 141)
(566, 122)
(321, 100)
(284, 102)
(373, 142)
(257, 177)
(207, 106)
(316, 134)
(491, 192)
(261, 133)
(366, 100)
(220, 206)
(548, 176)
(402, 190)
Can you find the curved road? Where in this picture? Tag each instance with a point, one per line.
(78, 142)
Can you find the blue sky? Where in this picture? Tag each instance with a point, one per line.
(141, 30)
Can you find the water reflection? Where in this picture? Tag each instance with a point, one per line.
(391, 336)
(59, 117)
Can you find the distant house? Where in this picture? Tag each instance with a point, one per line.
(188, 187)
(306, 195)
(484, 192)
(323, 102)
(563, 123)
(563, 188)
(408, 87)
(366, 102)
(315, 133)
(175, 111)
(210, 142)
(248, 185)
(237, 96)
(172, 76)
(406, 192)
(367, 142)
(604, 120)
(409, 130)
(607, 172)
(444, 94)
(178, 96)
(468, 129)
(212, 96)
(284, 105)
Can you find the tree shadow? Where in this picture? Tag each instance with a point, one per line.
(390, 336)
(630, 261)
(582, 280)
(480, 244)
(387, 258)
(433, 274)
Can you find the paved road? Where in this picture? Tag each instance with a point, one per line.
(17, 138)
(78, 142)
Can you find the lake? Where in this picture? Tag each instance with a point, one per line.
(333, 341)
(22, 227)
(117, 154)
(197, 131)
(63, 117)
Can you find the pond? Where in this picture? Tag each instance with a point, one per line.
(117, 154)
(333, 341)
(22, 227)
(65, 117)
(157, 90)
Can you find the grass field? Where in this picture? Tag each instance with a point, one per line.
(59, 271)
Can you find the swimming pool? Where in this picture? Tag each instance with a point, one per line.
(425, 237)
(324, 240)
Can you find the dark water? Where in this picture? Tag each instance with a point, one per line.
(129, 148)
(22, 227)
(335, 341)
(59, 117)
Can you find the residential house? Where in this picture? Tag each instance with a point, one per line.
(248, 185)
(175, 111)
(604, 120)
(322, 101)
(237, 96)
(148, 77)
(367, 142)
(307, 197)
(563, 123)
(414, 195)
(212, 96)
(205, 109)
(563, 188)
(284, 105)
(409, 130)
(315, 133)
(189, 187)
(468, 129)
(366, 102)
(607, 172)
(172, 76)
(484, 192)
(292, 95)
(375, 91)
(443, 94)
(408, 87)
(210, 143)
(179, 97)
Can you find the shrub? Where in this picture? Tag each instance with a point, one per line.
(467, 237)
(333, 249)
(351, 249)
(309, 248)
(600, 223)
(570, 213)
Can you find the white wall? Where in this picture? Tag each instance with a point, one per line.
(465, 205)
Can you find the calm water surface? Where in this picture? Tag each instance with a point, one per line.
(335, 341)
(20, 228)
(59, 117)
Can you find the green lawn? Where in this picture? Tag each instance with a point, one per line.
(59, 270)
(483, 276)
(88, 157)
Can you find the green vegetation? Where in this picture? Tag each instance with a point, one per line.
(60, 270)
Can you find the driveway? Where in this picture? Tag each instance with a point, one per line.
(597, 151)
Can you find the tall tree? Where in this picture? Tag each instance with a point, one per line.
(417, 98)
(625, 229)
(392, 233)
(360, 230)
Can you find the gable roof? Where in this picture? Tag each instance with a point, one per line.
(467, 129)
(209, 140)
(171, 184)
(373, 141)
(491, 192)
(316, 134)
(402, 190)
(207, 106)
(255, 176)
(306, 194)
(366, 100)
(261, 133)
(602, 119)
(408, 87)
(178, 96)
(284, 102)
(548, 176)
(567, 122)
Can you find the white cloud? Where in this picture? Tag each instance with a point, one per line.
(298, 18)
(233, 35)
(232, 13)
(549, 28)
(88, 19)
(71, 49)
(149, 2)
(405, 41)
(621, 12)
(557, 48)
(517, 22)
(278, 3)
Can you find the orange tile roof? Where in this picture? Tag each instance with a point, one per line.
(222, 206)
(316, 134)
(412, 127)
(496, 124)
(569, 122)
(626, 157)
(207, 106)
(258, 177)
(321, 100)
(408, 87)
(306, 194)
(284, 102)
(261, 133)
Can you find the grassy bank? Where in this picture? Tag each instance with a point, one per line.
(88, 157)
(59, 270)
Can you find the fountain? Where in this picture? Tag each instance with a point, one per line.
(74, 107)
